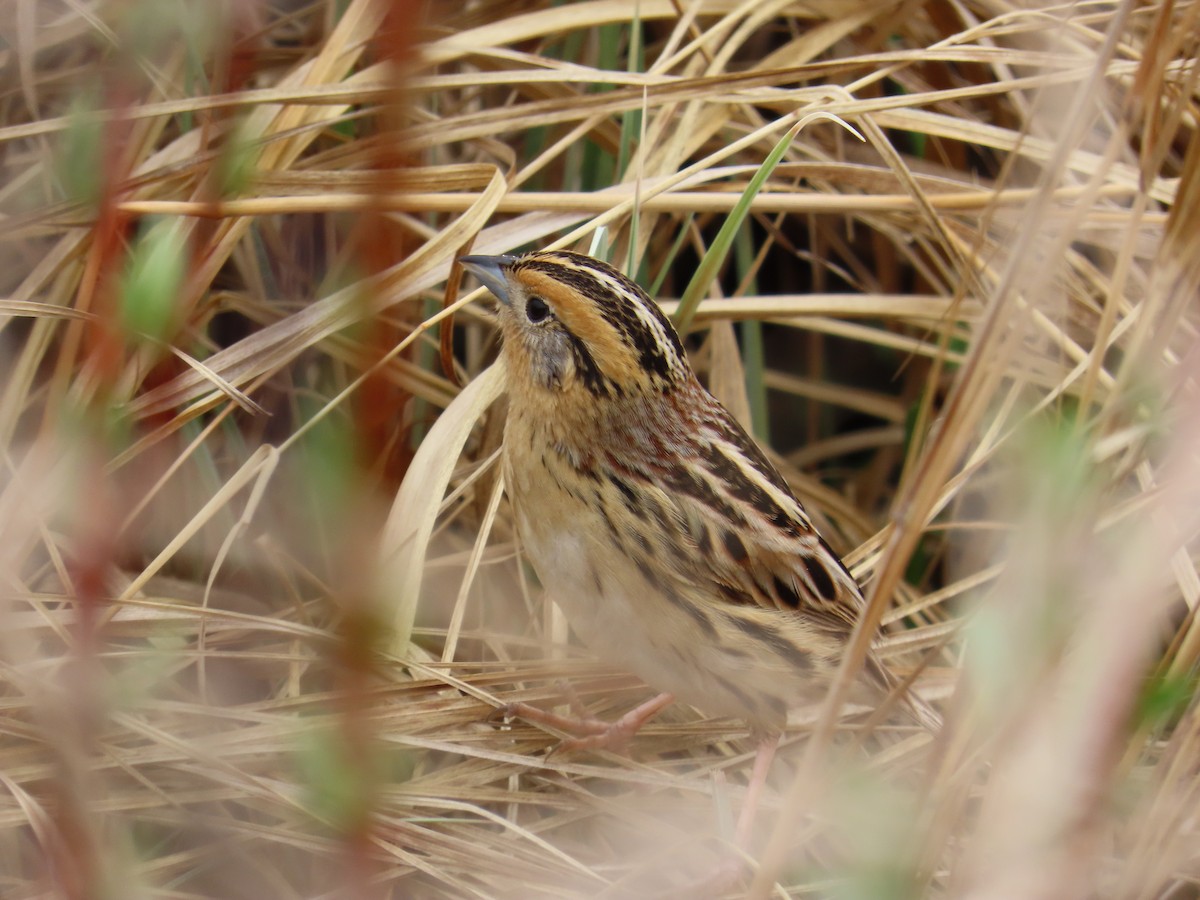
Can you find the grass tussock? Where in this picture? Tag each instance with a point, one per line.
(260, 586)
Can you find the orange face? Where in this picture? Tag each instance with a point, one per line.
(570, 322)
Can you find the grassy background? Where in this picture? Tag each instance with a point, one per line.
(260, 589)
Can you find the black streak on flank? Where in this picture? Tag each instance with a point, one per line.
(777, 706)
(683, 558)
(786, 594)
(734, 595)
(733, 543)
(645, 543)
(698, 615)
(820, 577)
(612, 529)
(552, 474)
(744, 489)
(667, 527)
(647, 573)
(629, 495)
(773, 639)
(744, 698)
(837, 559)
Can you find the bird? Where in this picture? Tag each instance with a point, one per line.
(658, 525)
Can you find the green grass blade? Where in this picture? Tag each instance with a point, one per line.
(711, 264)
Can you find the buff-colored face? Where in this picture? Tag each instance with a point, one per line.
(571, 325)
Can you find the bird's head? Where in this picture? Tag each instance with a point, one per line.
(570, 322)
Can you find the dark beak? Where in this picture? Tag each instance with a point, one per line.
(490, 270)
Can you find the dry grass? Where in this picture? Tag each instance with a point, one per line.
(226, 670)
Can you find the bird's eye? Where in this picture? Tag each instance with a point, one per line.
(537, 310)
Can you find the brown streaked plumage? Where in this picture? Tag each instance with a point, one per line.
(673, 545)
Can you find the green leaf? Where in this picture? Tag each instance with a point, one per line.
(236, 163)
(75, 162)
(1164, 699)
(152, 281)
(341, 779)
(711, 264)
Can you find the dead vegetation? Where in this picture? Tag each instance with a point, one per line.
(226, 669)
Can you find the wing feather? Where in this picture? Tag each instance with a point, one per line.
(735, 532)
